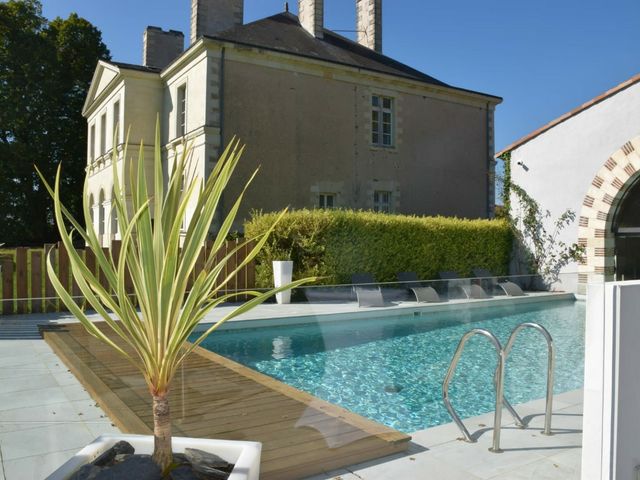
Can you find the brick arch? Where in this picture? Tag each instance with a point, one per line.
(598, 209)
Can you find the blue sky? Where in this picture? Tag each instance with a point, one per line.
(544, 57)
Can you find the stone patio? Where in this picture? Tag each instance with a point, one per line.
(46, 416)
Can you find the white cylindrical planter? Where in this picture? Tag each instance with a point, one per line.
(282, 274)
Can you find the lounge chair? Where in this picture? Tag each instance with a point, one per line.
(423, 294)
(509, 288)
(468, 289)
(367, 293)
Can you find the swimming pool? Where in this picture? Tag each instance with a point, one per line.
(390, 369)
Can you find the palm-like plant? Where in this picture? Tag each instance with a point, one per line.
(159, 269)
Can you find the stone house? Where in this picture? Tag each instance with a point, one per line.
(332, 122)
(588, 160)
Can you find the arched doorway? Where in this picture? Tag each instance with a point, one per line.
(603, 208)
(626, 231)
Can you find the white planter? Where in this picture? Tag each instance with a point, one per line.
(244, 455)
(282, 274)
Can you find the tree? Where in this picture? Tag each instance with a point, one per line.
(45, 72)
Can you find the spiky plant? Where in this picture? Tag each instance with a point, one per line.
(159, 269)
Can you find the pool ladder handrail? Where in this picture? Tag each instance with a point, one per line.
(551, 365)
(499, 374)
(502, 353)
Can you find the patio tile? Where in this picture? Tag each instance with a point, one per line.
(543, 470)
(31, 382)
(39, 416)
(36, 467)
(335, 475)
(32, 398)
(43, 440)
(75, 392)
(478, 459)
(419, 466)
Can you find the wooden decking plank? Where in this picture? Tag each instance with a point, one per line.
(213, 397)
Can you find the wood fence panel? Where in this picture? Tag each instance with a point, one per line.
(241, 279)
(22, 280)
(50, 301)
(75, 289)
(63, 269)
(27, 286)
(36, 281)
(90, 262)
(251, 269)
(103, 278)
(7, 286)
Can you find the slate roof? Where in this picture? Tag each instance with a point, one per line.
(283, 33)
(139, 68)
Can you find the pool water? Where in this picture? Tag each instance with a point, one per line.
(391, 369)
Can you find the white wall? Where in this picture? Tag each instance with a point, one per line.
(563, 161)
(611, 424)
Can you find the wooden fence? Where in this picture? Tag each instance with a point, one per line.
(25, 286)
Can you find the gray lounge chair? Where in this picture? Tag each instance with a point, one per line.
(509, 288)
(367, 293)
(423, 294)
(468, 289)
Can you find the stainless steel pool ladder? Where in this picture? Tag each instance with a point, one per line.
(502, 354)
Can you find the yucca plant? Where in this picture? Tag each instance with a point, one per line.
(159, 268)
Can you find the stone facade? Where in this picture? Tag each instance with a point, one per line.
(369, 23)
(160, 48)
(311, 14)
(314, 127)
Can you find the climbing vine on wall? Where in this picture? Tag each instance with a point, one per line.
(538, 246)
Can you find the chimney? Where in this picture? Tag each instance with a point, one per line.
(210, 17)
(311, 16)
(369, 18)
(160, 48)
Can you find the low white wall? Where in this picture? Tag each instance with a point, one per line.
(611, 427)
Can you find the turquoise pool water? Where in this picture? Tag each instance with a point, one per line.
(391, 369)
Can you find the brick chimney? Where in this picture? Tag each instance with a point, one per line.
(311, 16)
(160, 48)
(369, 18)
(210, 17)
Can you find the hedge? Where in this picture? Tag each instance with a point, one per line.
(333, 244)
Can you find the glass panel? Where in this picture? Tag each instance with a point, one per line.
(375, 101)
(387, 140)
(329, 201)
(386, 117)
(386, 103)
(375, 138)
(386, 128)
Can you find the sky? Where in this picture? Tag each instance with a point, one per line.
(543, 57)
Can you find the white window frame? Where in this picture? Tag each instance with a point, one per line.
(116, 122)
(103, 133)
(92, 142)
(382, 204)
(323, 200)
(181, 110)
(382, 115)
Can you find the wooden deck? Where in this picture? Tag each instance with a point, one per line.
(214, 397)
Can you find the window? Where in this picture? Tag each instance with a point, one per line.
(182, 111)
(327, 200)
(116, 122)
(382, 201)
(103, 134)
(382, 121)
(92, 143)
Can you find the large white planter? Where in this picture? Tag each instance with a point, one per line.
(282, 274)
(244, 455)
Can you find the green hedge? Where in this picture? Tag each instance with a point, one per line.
(333, 244)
